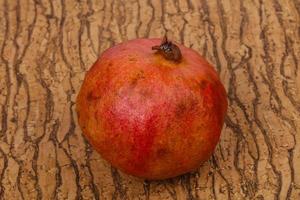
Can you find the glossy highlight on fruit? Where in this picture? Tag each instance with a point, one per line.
(150, 111)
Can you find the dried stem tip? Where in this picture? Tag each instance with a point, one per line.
(169, 50)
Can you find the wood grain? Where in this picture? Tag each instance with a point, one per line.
(46, 46)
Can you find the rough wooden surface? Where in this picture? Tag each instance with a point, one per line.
(46, 46)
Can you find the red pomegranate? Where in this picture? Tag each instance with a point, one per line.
(153, 110)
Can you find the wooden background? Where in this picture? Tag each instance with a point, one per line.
(46, 46)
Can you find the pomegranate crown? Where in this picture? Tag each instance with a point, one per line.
(168, 50)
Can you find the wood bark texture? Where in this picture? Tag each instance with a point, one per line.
(46, 46)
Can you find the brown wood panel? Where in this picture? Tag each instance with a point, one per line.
(46, 46)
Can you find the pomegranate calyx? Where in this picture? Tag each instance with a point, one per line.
(168, 50)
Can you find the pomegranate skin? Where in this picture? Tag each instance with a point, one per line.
(151, 117)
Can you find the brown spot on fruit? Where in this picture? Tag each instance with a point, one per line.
(132, 59)
(161, 152)
(186, 106)
(203, 84)
(92, 97)
(134, 81)
(180, 109)
(140, 75)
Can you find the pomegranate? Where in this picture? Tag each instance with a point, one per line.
(153, 109)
